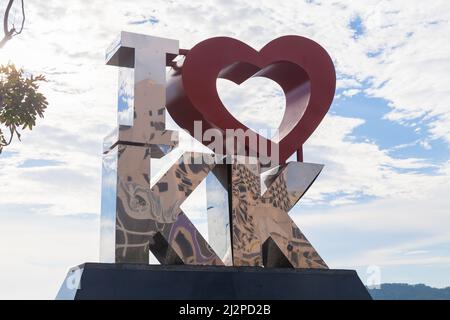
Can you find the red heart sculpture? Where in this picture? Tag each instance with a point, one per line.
(302, 68)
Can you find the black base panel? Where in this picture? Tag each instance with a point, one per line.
(158, 282)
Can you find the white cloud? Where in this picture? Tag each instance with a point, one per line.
(351, 92)
(347, 83)
(38, 250)
(407, 237)
(361, 168)
(259, 102)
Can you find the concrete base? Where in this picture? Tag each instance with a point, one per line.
(158, 282)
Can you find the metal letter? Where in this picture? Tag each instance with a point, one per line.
(263, 232)
(135, 217)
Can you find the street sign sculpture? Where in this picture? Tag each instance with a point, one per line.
(249, 226)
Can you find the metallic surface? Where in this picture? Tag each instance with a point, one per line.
(142, 63)
(140, 218)
(137, 218)
(299, 65)
(263, 232)
(218, 212)
(248, 205)
(108, 206)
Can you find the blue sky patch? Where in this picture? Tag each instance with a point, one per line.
(151, 20)
(30, 163)
(408, 140)
(356, 25)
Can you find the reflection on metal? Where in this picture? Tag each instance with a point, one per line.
(125, 99)
(247, 204)
(142, 93)
(137, 218)
(150, 218)
(108, 207)
(219, 233)
(263, 232)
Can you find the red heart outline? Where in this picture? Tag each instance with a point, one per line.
(302, 68)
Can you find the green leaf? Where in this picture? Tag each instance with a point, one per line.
(20, 101)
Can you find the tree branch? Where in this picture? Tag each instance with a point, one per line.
(5, 39)
(3, 142)
(8, 34)
(23, 17)
(23, 20)
(11, 132)
(6, 17)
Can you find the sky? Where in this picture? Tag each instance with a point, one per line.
(381, 204)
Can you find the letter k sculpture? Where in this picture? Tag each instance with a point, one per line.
(262, 232)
